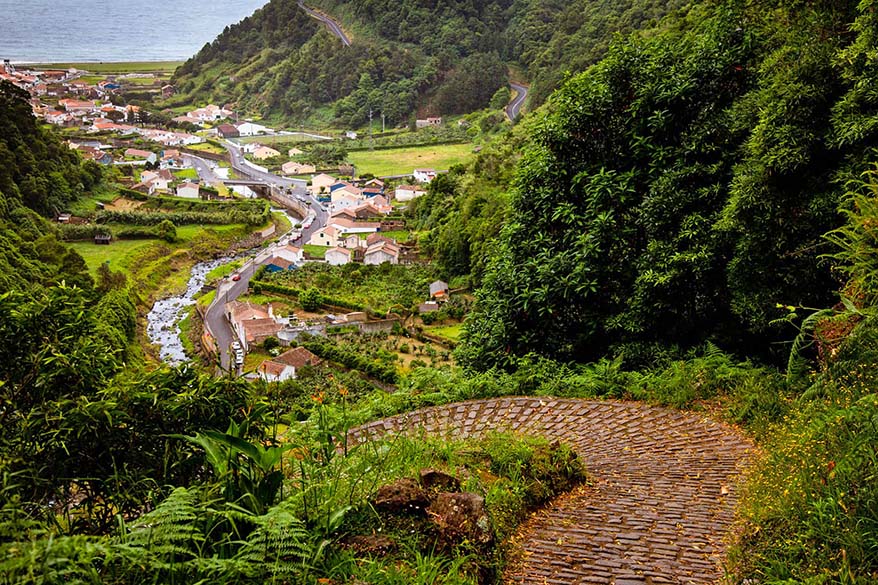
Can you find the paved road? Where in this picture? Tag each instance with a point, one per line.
(333, 26)
(660, 498)
(202, 167)
(513, 110)
(229, 290)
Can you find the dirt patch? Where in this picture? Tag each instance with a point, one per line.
(123, 204)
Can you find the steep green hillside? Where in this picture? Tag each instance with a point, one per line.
(38, 175)
(408, 57)
(678, 190)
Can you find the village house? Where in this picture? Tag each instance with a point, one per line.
(172, 159)
(251, 129)
(372, 239)
(346, 226)
(145, 155)
(424, 175)
(351, 242)
(287, 365)
(160, 180)
(252, 324)
(210, 113)
(227, 131)
(265, 152)
(295, 168)
(428, 122)
(377, 183)
(278, 264)
(104, 125)
(338, 256)
(344, 201)
(58, 118)
(327, 236)
(408, 192)
(188, 190)
(381, 252)
(290, 253)
(295, 152)
(186, 120)
(321, 183)
(168, 91)
(77, 106)
(439, 290)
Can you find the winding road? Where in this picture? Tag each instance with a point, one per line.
(333, 26)
(229, 290)
(660, 498)
(513, 110)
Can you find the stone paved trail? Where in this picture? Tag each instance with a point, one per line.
(660, 499)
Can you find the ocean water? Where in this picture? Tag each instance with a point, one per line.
(41, 31)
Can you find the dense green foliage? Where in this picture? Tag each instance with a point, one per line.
(38, 175)
(453, 57)
(677, 191)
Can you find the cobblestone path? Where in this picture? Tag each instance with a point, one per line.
(660, 499)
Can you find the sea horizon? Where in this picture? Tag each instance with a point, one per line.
(76, 31)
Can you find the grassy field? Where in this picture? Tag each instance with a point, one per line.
(316, 251)
(118, 253)
(284, 138)
(450, 332)
(166, 67)
(207, 147)
(401, 161)
(186, 174)
(121, 253)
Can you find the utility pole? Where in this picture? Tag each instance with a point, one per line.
(371, 140)
(382, 123)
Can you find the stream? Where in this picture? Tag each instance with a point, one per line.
(163, 322)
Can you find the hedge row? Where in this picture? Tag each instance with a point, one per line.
(197, 205)
(330, 351)
(182, 217)
(72, 232)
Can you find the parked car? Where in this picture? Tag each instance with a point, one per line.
(236, 277)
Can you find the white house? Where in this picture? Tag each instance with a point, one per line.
(344, 201)
(251, 129)
(285, 366)
(338, 256)
(346, 226)
(290, 253)
(188, 190)
(408, 192)
(327, 236)
(424, 175)
(382, 252)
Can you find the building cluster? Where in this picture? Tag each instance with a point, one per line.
(62, 98)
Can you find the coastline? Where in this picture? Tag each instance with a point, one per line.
(104, 66)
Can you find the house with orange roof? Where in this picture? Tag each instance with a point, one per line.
(381, 252)
(287, 365)
(327, 236)
(338, 256)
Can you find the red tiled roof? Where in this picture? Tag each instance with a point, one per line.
(297, 358)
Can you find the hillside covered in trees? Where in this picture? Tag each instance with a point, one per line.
(674, 193)
(408, 57)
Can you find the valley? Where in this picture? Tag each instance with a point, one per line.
(448, 293)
